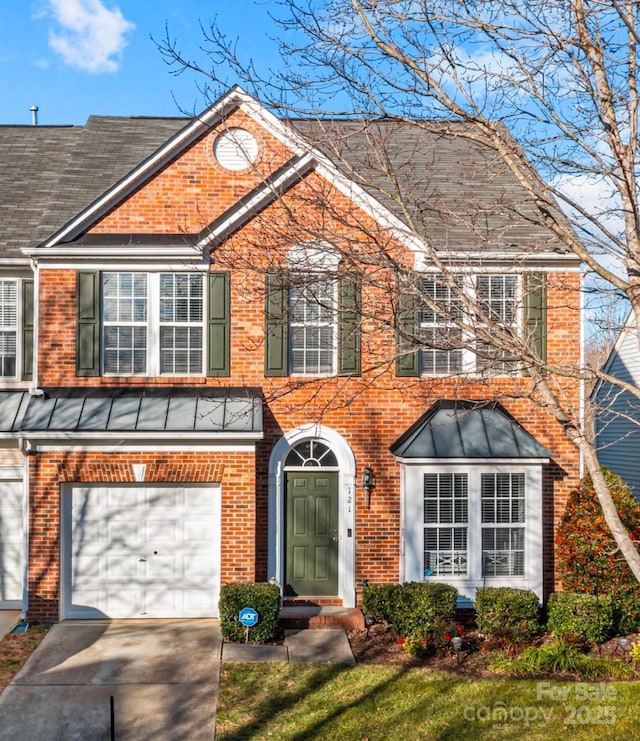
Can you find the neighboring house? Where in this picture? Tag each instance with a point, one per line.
(214, 393)
(616, 413)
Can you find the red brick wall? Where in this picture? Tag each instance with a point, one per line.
(49, 471)
(370, 412)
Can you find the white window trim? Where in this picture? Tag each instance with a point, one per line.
(412, 525)
(17, 377)
(315, 259)
(469, 284)
(153, 325)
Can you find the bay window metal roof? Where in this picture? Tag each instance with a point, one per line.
(464, 429)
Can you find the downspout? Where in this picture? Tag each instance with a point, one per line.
(34, 390)
(23, 446)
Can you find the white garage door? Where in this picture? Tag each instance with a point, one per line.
(141, 551)
(11, 544)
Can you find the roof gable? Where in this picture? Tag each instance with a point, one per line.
(110, 160)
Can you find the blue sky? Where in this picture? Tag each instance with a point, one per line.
(73, 58)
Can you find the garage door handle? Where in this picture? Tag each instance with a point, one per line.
(142, 560)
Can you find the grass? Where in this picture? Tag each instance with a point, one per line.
(15, 649)
(293, 702)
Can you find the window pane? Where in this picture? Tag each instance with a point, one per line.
(312, 319)
(503, 502)
(8, 327)
(440, 338)
(181, 350)
(445, 503)
(496, 296)
(181, 330)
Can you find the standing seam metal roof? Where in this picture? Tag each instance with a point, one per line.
(138, 410)
(458, 429)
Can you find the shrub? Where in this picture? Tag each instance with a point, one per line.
(265, 600)
(562, 658)
(586, 554)
(504, 612)
(377, 600)
(587, 617)
(418, 611)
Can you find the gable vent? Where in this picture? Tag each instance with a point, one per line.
(235, 149)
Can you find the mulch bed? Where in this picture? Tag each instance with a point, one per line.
(378, 645)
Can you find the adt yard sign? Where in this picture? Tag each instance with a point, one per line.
(248, 617)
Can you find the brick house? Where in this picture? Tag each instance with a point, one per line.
(208, 378)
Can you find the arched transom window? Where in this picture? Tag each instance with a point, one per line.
(311, 454)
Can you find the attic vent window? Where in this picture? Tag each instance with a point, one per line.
(235, 149)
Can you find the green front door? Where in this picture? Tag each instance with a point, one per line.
(311, 534)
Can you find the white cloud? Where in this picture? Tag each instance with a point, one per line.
(90, 36)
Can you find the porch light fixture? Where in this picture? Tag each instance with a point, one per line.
(368, 482)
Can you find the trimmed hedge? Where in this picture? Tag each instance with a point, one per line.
(265, 600)
(587, 617)
(416, 610)
(505, 612)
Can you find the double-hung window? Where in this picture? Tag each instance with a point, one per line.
(497, 299)
(181, 317)
(446, 520)
(440, 337)
(312, 315)
(152, 323)
(8, 327)
(503, 520)
(448, 349)
(312, 325)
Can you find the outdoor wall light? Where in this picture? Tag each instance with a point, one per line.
(368, 482)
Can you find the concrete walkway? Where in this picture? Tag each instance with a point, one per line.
(163, 676)
(300, 647)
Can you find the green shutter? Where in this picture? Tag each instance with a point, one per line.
(27, 330)
(276, 329)
(536, 313)
(407, 362)
(219, 322)
(88, 324)
(349, 292)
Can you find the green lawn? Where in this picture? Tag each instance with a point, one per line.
(302, 702)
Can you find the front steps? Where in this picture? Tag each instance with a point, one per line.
(319, 617)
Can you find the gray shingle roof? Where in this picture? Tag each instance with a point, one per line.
(458, 194)
(50, 173)
(458, 429)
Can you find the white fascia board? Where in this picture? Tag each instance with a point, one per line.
(267, 193)
(473, 261)
(124, 435)
(473, 461)
(14, 262)
(133, 264)
(51, 447)
(121, 189)
(148, 253)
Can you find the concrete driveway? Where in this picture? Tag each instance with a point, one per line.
(163, 676)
